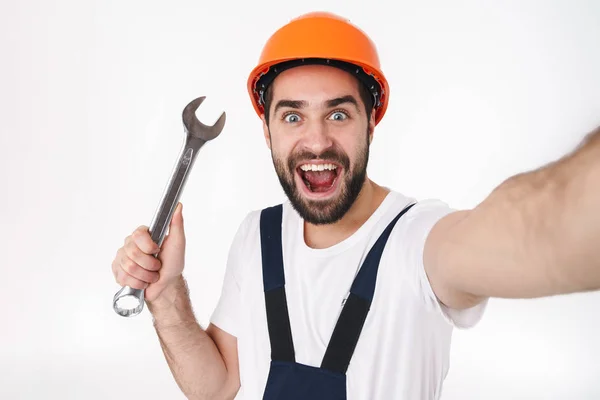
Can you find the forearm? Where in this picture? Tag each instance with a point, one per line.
(192, 356)
(537, 234)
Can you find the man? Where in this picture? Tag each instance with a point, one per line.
(350, 289)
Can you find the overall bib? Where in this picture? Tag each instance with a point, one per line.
(289, 380)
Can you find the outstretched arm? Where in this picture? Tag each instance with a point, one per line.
(537, 234)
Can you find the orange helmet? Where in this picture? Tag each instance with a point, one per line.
(320, 38)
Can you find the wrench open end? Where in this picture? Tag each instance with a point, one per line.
(196, 128)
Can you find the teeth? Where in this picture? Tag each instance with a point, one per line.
(317, 167)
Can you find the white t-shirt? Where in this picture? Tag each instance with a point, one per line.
(404, 346)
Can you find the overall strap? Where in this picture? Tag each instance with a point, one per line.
(354, 313)
(278, 320)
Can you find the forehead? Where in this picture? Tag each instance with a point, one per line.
(314, 82)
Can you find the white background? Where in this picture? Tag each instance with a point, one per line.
(91, 95)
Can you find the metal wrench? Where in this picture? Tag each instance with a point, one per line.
(196, 135)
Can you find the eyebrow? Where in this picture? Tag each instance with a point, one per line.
(329, 103)
(290, 104)
(341, 100)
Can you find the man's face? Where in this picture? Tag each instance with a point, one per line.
(319, 138)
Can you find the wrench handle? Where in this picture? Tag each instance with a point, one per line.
(160, 222)
(171, 195)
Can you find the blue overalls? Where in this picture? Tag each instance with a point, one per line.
(287, 379)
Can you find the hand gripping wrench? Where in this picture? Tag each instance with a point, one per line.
(196, 135)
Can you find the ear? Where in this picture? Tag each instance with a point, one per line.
(266, 132)
(371, 126)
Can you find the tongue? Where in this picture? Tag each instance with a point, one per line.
(319, 181)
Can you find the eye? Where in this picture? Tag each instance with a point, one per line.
(339, 116)
(291, 118)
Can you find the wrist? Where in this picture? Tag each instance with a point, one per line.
(172, 307)
(168, 295)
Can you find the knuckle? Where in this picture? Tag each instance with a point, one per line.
(120, 278)
(131, 281)
(129, 266)
(134, 283)
(140, 232)
(137, 284)
(119, 254)
(136, 252)
(143, 243)
(130, 249)
(114, 268)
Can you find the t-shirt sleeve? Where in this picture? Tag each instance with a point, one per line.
(226, 312)
(421, 219)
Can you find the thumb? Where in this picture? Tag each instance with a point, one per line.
(172, 255)
(176, 236)
(176, 225)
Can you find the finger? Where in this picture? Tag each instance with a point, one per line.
(146, 261)
(124, 279)
(141, 237)
(135, 270)
(115, 268)
(116, 263)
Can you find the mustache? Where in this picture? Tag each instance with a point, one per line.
(328, 155)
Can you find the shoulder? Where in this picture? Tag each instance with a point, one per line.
(426, 213)
(412, 230)
(243, 246)
(416, 244)
(422, 215)
(411, 233)
(248, 230)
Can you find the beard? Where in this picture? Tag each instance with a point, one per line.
(320, 212)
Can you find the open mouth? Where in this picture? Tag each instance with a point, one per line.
(319, 178)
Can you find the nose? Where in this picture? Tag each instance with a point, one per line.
(317, 138)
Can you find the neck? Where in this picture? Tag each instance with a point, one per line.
(323, 236)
